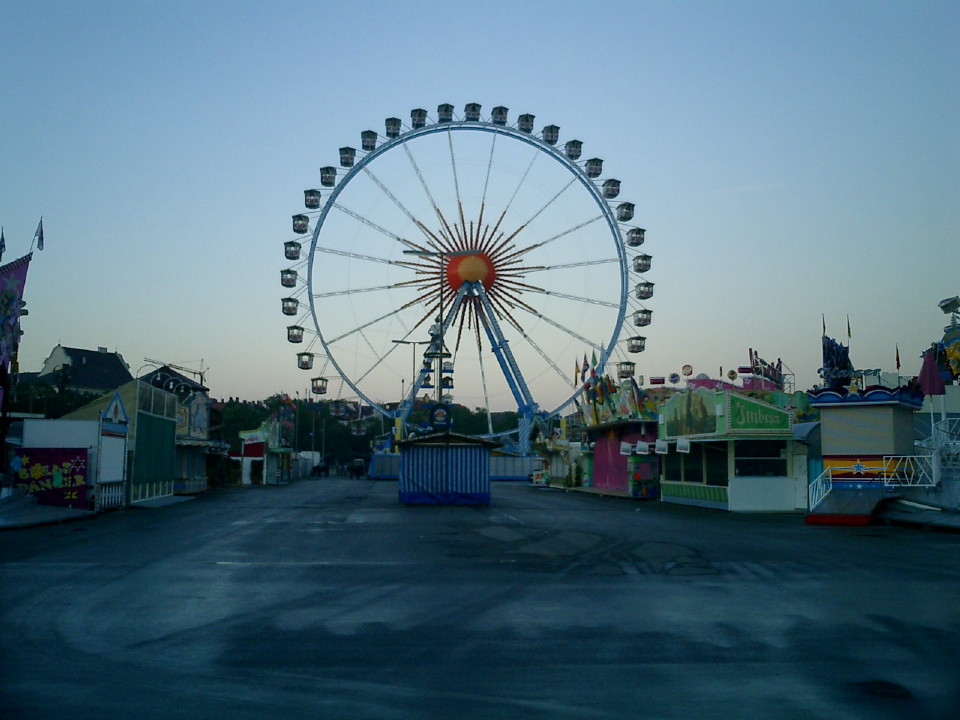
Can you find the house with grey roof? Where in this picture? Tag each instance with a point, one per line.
(89, 371)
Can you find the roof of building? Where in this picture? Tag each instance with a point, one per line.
(166, 378)
(448, 438)
(93, 369)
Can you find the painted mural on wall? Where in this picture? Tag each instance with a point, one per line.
(56, 476)
(693, 412)
(193, 419)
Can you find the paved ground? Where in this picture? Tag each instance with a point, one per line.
(327, 599)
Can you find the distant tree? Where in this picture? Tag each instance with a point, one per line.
(240, 416)
(40, 397)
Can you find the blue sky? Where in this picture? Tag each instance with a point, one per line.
(789, 160)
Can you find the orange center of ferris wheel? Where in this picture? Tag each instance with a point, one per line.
(471, 268)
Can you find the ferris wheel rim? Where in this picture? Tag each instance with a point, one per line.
(512, 133)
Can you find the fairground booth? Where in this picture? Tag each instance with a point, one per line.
(445, 468)
(619, 427)
(868, 444)
(868, 441)
(727, 450)
(267, 452)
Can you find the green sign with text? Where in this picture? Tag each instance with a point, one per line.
(747, 415)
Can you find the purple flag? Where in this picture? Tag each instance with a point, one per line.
(930, 380)
(12, 278)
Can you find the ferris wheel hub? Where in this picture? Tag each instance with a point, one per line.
(471, 268)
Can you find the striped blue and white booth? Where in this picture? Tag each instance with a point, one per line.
(445, 469)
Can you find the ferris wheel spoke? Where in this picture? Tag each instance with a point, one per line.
(486, 181)
(355, 291)
(523, 178)
(546, 357)
(370, 223)
(567, 266)
(358, 256)
(503, 306)
(523, 251)
(500, 243)
(431, 237)
(577, 298)
(563, 328)
(426, 189)
(548, 203)
(378, 358)
(361, 328)
(509, 238)
(456, 180)
(483, 379)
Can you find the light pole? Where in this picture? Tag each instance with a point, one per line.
(413, 360)
(440, 351)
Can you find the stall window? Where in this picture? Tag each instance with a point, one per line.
(693, 464)
(760, 458)
(706, 463)
(715, 463)
(671, 467)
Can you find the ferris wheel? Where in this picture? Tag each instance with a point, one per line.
(469, 259)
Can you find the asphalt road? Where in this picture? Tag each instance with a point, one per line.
(327, 599)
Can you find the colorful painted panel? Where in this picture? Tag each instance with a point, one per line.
(56, 476)
(604, 401)
(855, 467)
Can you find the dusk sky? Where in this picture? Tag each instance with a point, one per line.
(793, 163)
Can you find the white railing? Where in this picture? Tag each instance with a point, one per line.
(946, 443)
(910, 470)
(950, 458)
(947, 431)
(110, 495)
(819, 489)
